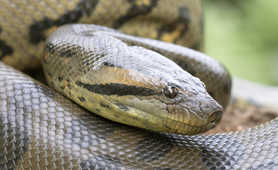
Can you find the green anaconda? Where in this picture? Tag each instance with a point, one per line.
(124, 75)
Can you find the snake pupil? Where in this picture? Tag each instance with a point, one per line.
(170, 92)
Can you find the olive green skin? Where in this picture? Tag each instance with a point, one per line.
(41, 129)
(112, 75)
(26, 24)
(181, 24)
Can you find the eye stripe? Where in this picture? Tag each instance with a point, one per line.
(117, 89)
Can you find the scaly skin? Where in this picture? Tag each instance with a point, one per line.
(25, 24)
(42, 130)
(127, 83)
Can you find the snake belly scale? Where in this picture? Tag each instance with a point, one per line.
(108, 71)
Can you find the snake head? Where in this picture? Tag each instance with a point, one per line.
(127, 83)
(155, 94)
(180, 105)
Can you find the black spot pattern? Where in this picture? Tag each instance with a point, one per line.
(122, 107)
(184, 19)
(68, 53)
(108, 64)
(63, 52)
(36, 30)
(134, 11)
(82, 99)
(37, 125)
(104, 105)
(60, 78)
(5, 49)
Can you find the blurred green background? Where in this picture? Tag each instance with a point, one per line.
(244, 36)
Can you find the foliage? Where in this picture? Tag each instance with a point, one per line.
(244, 36)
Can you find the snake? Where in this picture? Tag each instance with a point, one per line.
(150, 99)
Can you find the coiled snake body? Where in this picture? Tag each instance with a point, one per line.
(40, 129)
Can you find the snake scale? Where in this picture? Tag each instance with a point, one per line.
(41, 129)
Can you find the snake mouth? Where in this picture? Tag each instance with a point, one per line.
(181, 127)
(138, 117)
(188, 121)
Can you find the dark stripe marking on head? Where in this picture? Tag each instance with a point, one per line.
(117, 89)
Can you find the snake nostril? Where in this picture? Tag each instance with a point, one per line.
(215, 116)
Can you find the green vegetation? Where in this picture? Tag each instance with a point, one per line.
(244, 36)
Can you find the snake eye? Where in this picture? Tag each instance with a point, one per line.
(170, 92)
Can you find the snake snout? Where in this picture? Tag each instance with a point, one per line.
(214, 111)
(214, 118)
(205, 112)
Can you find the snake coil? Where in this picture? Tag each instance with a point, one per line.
(41, 129)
